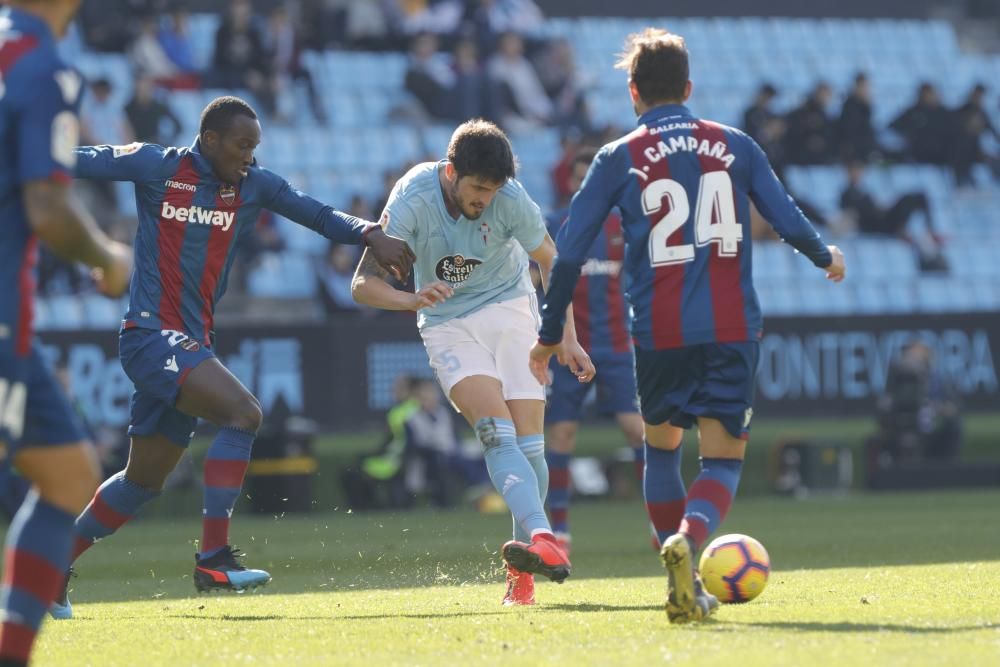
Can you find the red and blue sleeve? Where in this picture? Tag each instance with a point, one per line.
(587, 212)
(780, 210)
(131, 162)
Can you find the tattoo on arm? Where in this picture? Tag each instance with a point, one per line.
(370, 267)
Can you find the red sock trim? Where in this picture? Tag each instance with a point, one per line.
(80, 544)
(695, 529)
(106, 515)
(16, 641)
(214, 534)
(666, 516)
(32, 574)
(225, 473)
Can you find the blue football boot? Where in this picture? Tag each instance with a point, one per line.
(61, 609)
(221, 571)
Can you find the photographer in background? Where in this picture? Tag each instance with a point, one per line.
(919, 417)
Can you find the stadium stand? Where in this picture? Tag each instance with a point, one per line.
(731, 58)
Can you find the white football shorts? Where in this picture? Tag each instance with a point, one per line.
(493, 341)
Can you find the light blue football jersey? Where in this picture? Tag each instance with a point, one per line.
(485, 260)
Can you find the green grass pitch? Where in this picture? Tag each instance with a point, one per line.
(901, 579)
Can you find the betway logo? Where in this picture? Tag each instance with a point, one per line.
(196, 215)
(601, 267)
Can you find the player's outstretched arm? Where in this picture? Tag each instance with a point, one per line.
(133, 162)
(587, 212)
(391, 253)
(569, 353)
(370, 288)
(73, 235)
(781, 212)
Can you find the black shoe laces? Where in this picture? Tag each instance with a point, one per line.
(70, 573)
(229, 554)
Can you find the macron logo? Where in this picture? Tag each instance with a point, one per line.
(181, 186)
(196, 215)
(171, 364)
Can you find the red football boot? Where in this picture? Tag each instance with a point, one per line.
(520, 588)
(543, 556)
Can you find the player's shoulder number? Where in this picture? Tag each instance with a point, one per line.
(65, 138)
(69, 83)
(65, 133)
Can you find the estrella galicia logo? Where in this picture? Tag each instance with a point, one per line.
(455, 269)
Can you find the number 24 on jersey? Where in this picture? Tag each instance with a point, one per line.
(714, 218)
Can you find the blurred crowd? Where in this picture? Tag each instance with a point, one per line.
(484, 58)
(926, 132)
(486, 53)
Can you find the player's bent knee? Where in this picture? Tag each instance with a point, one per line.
(632, 427)
(664, 436)
(64, 476)
(249, 415)
(151, 460)
(72, 493)
(561, 437)
(715, 441)
(727, 448)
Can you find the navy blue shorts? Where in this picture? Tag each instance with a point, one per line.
(157, 362)
(34, 410)
(615, 383)
(712, 380)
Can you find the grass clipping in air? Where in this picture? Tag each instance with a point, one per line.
(901, 579)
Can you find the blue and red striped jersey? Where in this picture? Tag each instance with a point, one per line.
(39, 100)
(683, 186)
(189, 225)
(600, 309)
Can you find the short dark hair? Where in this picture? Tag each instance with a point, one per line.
(657, 62)
(480, 148)
(220, 112)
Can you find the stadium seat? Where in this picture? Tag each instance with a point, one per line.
(65, 312)
(286, 275)
(869, 297)
(101, 312)
(773, 260)
(936, 295)
(201, 30)
(900, 296)
(43, 315)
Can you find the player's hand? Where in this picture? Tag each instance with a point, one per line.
(574, 357)
(392, 254)
(538, 361)
(431, 295)
(837, 268)
(112, 280)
